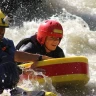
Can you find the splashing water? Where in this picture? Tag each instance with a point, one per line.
(34, 85)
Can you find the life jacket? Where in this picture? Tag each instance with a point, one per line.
(7, 49)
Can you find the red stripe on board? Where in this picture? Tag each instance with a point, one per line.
(66, 68)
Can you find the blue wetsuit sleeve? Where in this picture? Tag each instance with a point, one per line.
(12, 48)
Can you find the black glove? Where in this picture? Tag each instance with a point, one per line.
(9, 75)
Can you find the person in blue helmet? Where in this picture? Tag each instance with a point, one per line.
(9, 74)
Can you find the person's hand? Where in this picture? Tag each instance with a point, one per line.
(37, 69)
(30, 70)
(27, 73)
(44, 57)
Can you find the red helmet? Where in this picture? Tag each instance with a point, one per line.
(49, 28)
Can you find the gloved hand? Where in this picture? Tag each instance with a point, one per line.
(9, 75)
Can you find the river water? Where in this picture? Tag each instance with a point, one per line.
(78, 39)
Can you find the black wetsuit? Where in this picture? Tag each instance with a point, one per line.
(31, 45)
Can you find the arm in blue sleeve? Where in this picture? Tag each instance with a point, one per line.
(11, 48)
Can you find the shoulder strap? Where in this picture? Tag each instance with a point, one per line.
(23, 41)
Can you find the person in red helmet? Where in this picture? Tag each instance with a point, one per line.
(45, 41)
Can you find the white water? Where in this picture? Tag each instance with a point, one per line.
(77, 40)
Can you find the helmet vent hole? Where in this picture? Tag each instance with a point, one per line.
(50, 22)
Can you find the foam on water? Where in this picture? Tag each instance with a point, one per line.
(34, 85)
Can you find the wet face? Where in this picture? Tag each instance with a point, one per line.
(2, 32)
(51, 43)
